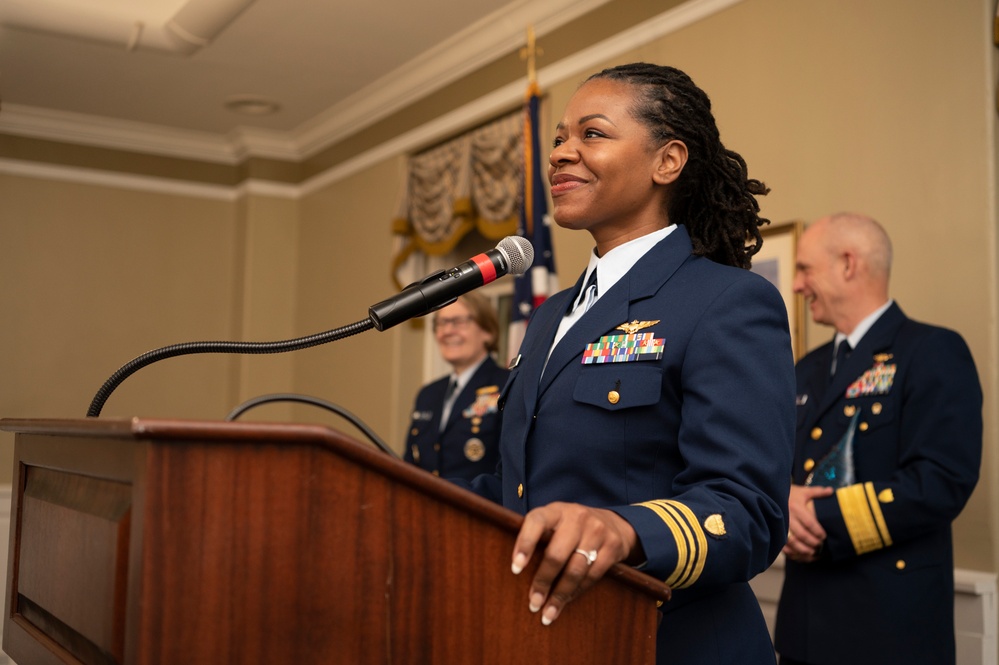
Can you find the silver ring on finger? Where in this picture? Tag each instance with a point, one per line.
(591, 555)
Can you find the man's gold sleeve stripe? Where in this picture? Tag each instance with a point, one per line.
(879, 517)
(691, 544)
(862, 515)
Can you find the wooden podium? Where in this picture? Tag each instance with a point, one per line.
(184, 542)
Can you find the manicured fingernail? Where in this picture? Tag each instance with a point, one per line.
(536, 600)
(550, 615)
(519, 562)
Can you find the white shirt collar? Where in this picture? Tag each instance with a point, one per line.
(466, 376)
(866, 324)
(615, 264)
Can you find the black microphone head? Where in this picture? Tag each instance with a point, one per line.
(519, 253)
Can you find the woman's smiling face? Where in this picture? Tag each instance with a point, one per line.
(603, 166)
(461, 341)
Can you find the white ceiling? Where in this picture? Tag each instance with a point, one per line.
(320, 60)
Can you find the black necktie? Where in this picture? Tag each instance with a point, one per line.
(842, 353)
(449, 396)
(589, 293)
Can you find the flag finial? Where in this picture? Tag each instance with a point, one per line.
(530, 53)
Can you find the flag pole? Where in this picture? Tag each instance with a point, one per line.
(533, 287)
(530, 53)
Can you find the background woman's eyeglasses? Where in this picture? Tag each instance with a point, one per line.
(457, 322)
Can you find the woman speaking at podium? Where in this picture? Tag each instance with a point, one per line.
(650, 416)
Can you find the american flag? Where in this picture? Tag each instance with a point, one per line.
(531, 288)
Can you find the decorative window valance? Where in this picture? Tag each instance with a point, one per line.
(472, 182)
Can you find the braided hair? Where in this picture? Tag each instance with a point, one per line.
(714, 196)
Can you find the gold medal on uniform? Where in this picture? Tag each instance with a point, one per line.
(475, 450)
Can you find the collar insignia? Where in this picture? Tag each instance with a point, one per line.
(635, 326)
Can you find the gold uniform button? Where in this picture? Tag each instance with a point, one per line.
(436, 472)
(437, 447)
(613, 397)
(876, 408)
(414, 431)
(863, 427)
(816, 434)
(849, 410)
(520, 491)
(900, 564)
(809, 464)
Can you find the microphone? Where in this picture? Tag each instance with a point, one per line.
(513, 255)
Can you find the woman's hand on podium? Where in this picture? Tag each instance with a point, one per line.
(583, 543)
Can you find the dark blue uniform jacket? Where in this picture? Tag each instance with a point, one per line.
(469, 442)
(883, 591)
(693, 449)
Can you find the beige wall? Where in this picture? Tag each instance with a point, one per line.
(886, 108)
(345, 252)
(265, 299)
(91, 277)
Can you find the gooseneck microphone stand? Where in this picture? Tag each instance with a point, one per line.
(513, 255)
(188, 348)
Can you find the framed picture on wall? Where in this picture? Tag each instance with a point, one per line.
(775, 261)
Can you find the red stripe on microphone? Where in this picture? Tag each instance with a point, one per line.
(486, 267)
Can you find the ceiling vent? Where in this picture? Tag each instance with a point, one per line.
(172, 26)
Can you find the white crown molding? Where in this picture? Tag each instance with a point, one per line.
(102, 132)
(141, 183)
(583, 61)
(259, 143)
(469, 114)
(149, 184)
(482, 43)
(247, 142)
(463, 53)
(268, 188)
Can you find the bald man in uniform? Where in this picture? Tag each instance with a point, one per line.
(887, 452)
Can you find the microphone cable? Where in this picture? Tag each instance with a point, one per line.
(314, 401)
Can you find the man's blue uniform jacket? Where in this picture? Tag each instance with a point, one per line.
(883, 590)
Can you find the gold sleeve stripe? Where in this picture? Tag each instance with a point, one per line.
(879, 517)
(701, 553)
(682, 542)
(682, 573)
(861, 521)
(691, 543)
